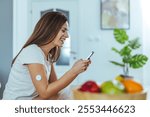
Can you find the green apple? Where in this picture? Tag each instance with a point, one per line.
(112, 87)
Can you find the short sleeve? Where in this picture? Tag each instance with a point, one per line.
(31, 54)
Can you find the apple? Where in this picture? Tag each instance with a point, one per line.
(90, 86)
(112, 87)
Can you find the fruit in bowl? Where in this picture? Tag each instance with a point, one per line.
(125, 89)
(90, 86)
(112, 87)
(131, 86)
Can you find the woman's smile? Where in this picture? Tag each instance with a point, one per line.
(62, 40)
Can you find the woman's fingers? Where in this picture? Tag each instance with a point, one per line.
(86, 63)
(81, 65)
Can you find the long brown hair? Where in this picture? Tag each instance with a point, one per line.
(45, 31)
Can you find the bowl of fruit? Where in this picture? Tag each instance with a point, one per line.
(117, 89)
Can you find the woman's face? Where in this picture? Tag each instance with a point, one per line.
(61, 36)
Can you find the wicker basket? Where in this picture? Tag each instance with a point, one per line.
(80, 95)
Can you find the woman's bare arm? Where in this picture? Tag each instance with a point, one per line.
(46, 89)
(53, 76)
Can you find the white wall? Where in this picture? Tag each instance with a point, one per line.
(93, 38)
(20, 24)
(146, 37)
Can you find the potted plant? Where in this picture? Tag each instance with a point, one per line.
(128, 58)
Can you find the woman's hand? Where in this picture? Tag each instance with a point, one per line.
(80, 66)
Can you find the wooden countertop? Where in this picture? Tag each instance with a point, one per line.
(67, 94)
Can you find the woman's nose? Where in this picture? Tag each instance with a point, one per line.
(66, 35)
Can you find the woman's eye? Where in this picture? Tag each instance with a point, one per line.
(63, 31)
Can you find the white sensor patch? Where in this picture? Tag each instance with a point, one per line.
(38, 77)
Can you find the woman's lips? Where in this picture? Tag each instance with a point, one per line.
(62, 41)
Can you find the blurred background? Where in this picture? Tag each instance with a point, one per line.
(87, 33)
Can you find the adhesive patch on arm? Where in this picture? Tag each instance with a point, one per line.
(38, 77)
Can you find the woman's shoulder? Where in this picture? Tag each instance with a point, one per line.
(31, 47)
(32, 50)
(31, 54)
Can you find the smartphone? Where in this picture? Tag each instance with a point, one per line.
(90, 55)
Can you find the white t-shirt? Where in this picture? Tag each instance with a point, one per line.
(19, 85)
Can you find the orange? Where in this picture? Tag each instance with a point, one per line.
(132, 86)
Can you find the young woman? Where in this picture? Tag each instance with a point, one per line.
(32, 74)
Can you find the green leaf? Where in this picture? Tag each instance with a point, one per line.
(125, 51)
(134, 44)
(138, 61)
(126, 59)
(116, 63)
(135, 61)
(115, 50)
(120, 35)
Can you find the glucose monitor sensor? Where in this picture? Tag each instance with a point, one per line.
(38, 77)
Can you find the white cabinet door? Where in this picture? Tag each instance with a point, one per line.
(72, 7)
